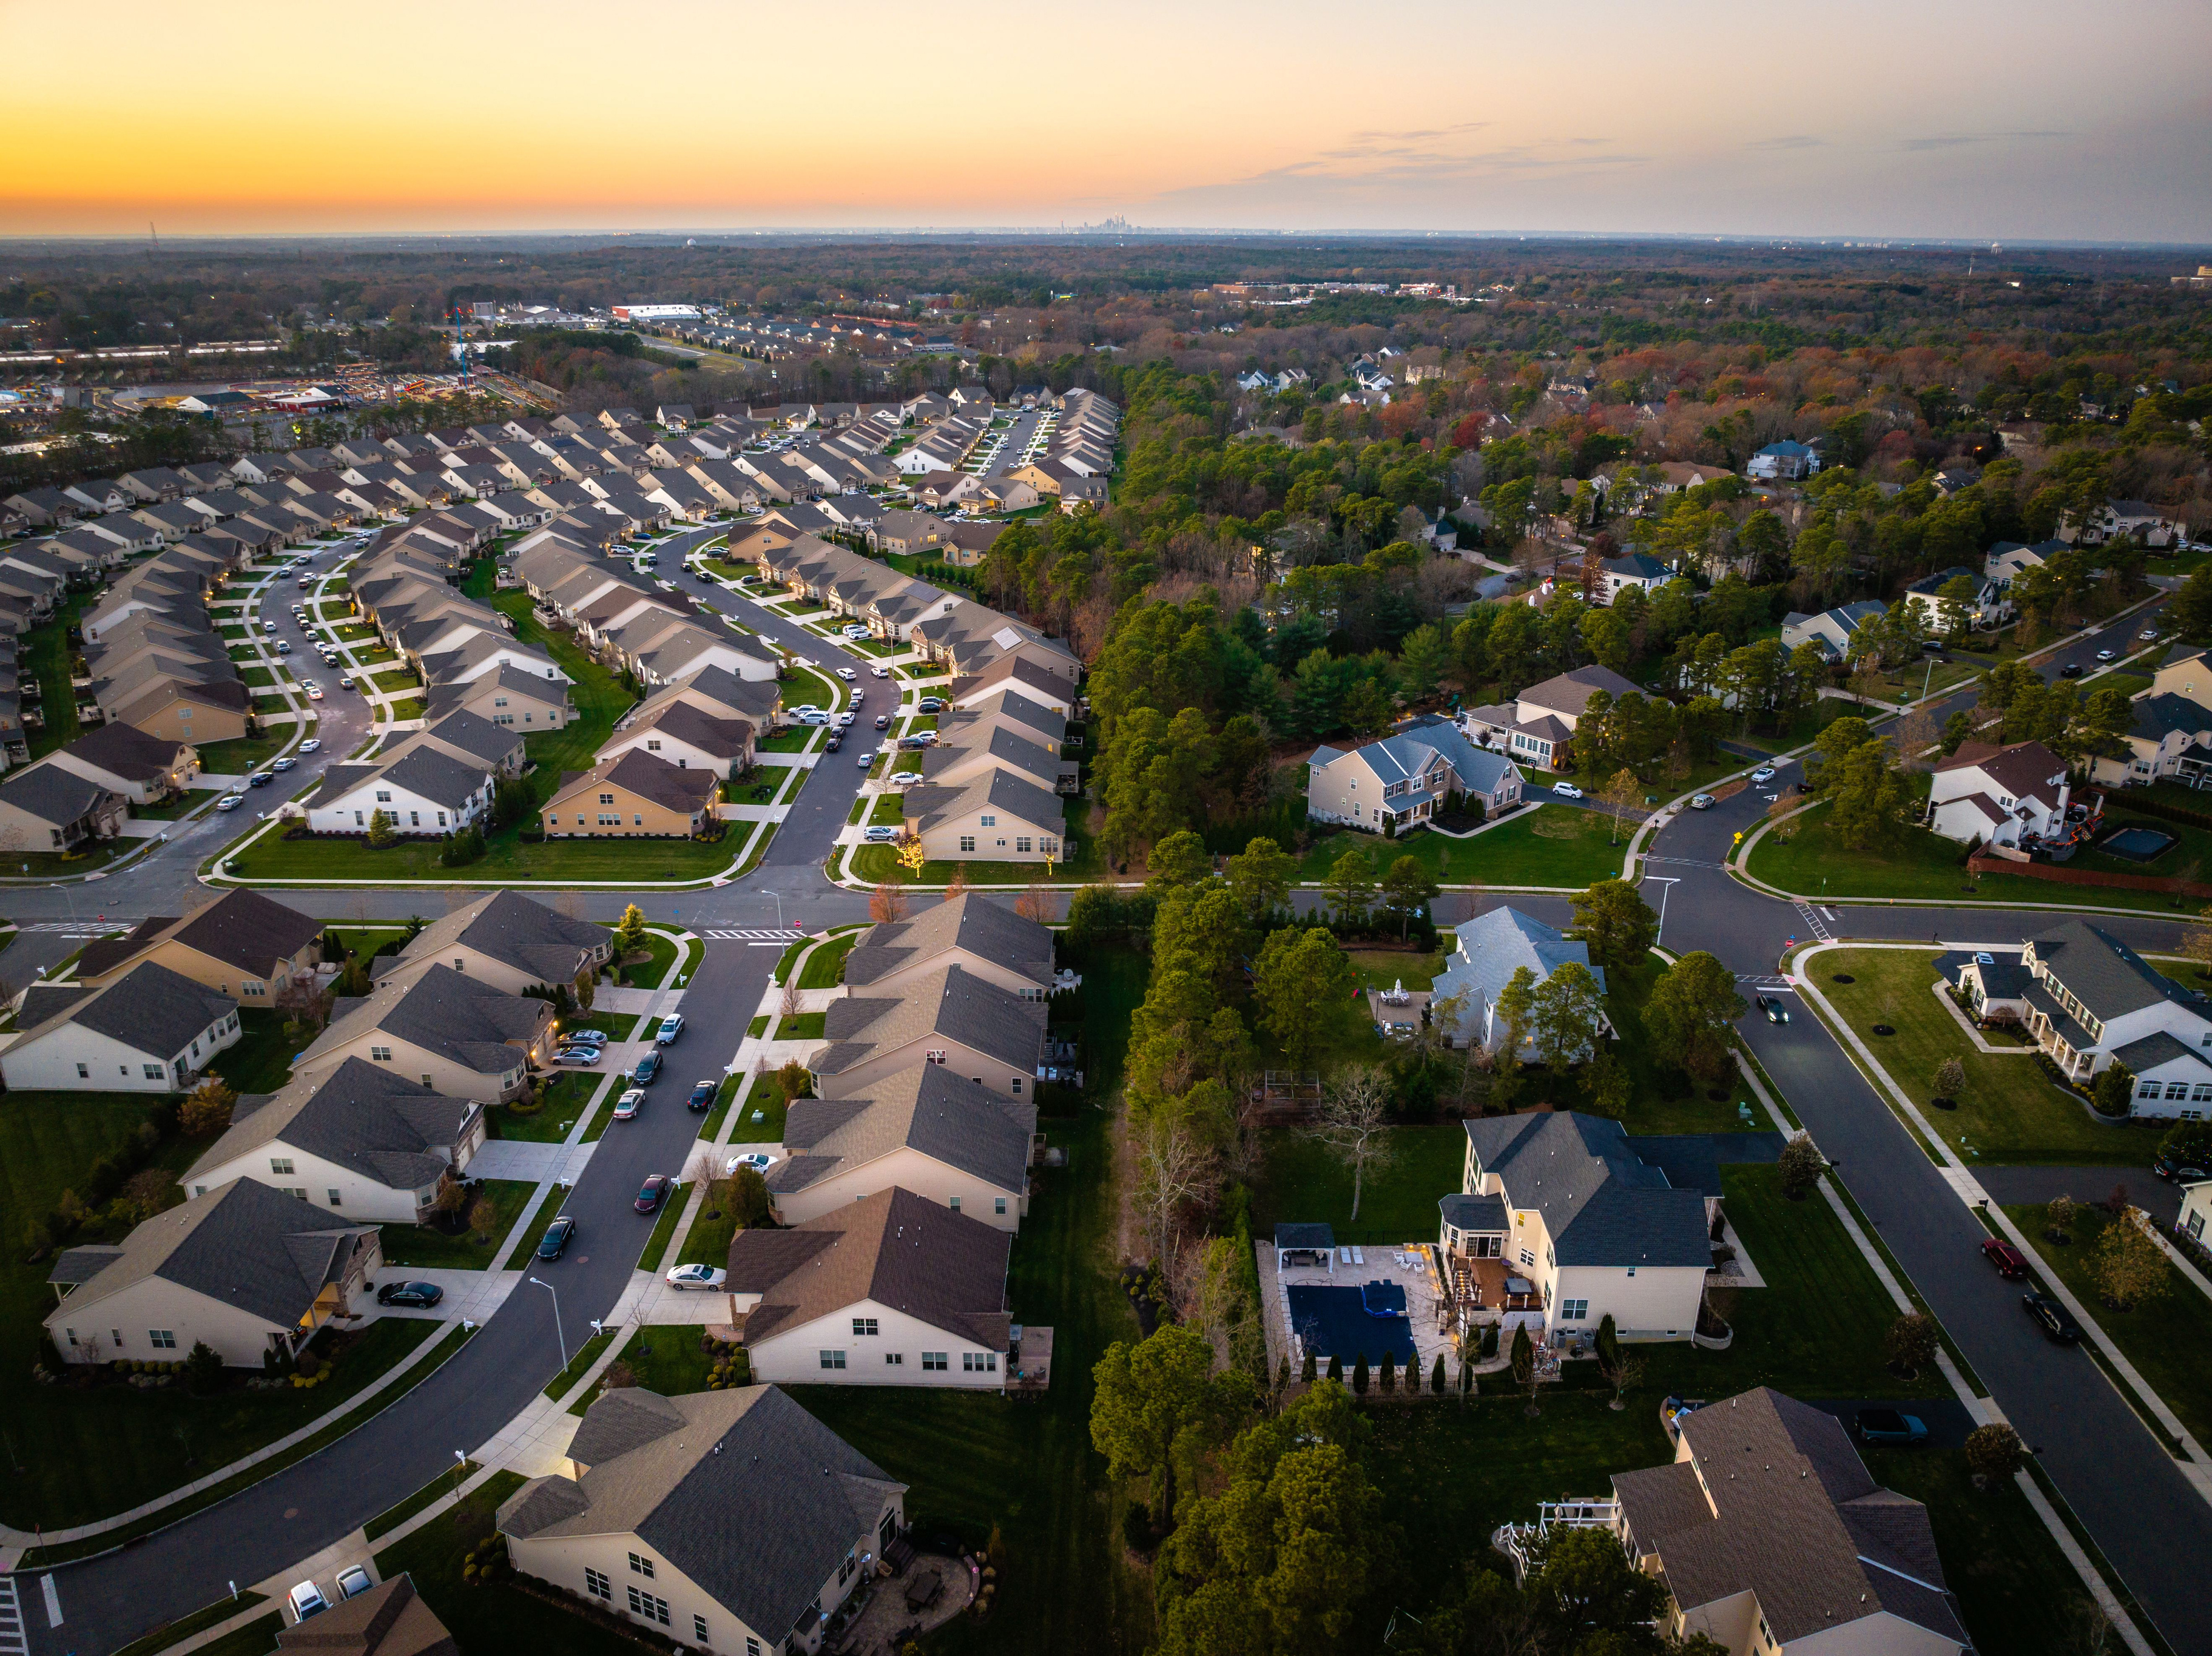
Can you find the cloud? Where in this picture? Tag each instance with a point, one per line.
(1375, 162)
(1795, 140)
(1954, 141)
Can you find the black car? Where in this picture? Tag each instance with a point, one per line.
(656, 1192)
(2056, 1323)
(558, 1236)
(2071, 669)
(1775, 1011)
(702, 1096)
(834, 742)
(2184, 1169)
(416, 1296)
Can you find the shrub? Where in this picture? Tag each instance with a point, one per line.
(2059, 1218)
(380, 832)
(1911, 1343)
(1359, 1375)
(206, 1114)
(1994, 1452)
(2112, 1092)
(203, 1369)
(1802, 1165)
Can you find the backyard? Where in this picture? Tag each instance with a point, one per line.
(425, 1247)
(2008, 1110)
(1548, 845)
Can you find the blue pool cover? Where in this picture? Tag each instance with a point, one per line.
(1344, 1322)
(2137, 844)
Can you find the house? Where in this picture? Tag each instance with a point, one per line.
(2094, 1002)
(687, 736)
(731, 1521)
(430, 782)
(2148, 525)
(1563, 1201)
(1534, 726)
(1997, 988)
(999, 816)
(985, 939)
(1406, 777)
(1022, 677)
(2000, 796)
(1491, 948)
(2166, 735)
(921, 1129)
(991, 1037)
(368, 1144)
(1987, 608)
(635, 793)
(892, 1289)
(444, 1028)
(506, 695)
(1784, 460)
(972, 754)
(1832, 631)
(49, 807)
(244, 1270)
(1636, 569)
(508, 941)
(151, 1030)
(243, 944)
(390, 1619)
(2196, 1211)
(144, 768)
(1770, 1536)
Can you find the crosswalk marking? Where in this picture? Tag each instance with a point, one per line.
(99, 928)
(53, 1601)
(766, 934)
(1811, 916)
(1685, 862)
(13, 1641)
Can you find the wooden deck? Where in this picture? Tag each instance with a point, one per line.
(1030, 1375)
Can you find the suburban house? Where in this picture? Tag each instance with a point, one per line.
(1561, 1203)
(151, 1030)
(243, 944)
(1016, 678)
(2094, 1002)
(1491, 948)
(426, 783)
(390, 1619)
(2000, 796)
(1832, 631)
(1784, 460)
(990, 1037)
(921, 1129)
(144, 769)
(2150, 525)
(1534, 727)
(633, 794)
(2166, 735)
(243, 1269)
(686, 735)
(987, 940)
(507, 941)
(892, 1289)
(441, 1027)
(2196, 1216)
(49, 808)
(1995, 987)
(506, 696)
(731, 1521)
(1640, 570)
(366, 1143)
(999, 816)
(1772, 1536)
(2007, 560)
(1406, 777)
(1987, 608)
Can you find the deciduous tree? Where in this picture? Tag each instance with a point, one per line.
(1353, 1124)
(2127, 1266)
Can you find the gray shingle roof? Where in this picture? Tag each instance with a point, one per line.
(514, 930)
(1493, 947)
(241, 928)
(1601, 1204)
(445, 1012)
(47, 793)
(359, 1115)
(970, 923)
(923, 1107)
(2105, 974)
(953, 1003)
(150, 1009)
(2152, 1049)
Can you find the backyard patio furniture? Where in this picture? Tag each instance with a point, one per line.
(925, 1590)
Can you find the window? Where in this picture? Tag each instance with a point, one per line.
(647, 1608)
(333, 1195)
(2177, 1090)
(164, 1340)
(1573, 1311)
(935, 1360)
(84, 1072)
(2147, 1089)
(384, 796)
(380, 1054)
(608, 819)
(1527, 1258)
(999, 1205)
(1049, 846)
(652, 747)
(2196, 1230)
(934, 1056)
(833, 1359)
(699, 1629)
(988, 821)
(597, 1585)
(281, 1164)
(753, 1647)
(1021, 842)
(1015, 1084)
(606, 799)
(863, 1327)
(640, 1565)
(978, 1362)
(154, 1072)
(1631, 1271)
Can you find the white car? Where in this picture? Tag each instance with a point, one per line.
(2105, 655)
(629, 1103)
(310, 745)
(1764, 773)
(283, 764)
(304, 1600)
(2148, 634)
(706, 1277)
(353, 1582)
(906, 779)
(845, 720)
(230, 802)
(847, 673)
(1566, 791)
(314, 694)
(878, 833)
(759, 1161)
(880, 672)
(1701, 802)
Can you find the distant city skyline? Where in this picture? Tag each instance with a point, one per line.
(1882, 119)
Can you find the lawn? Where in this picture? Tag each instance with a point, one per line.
(44, 655)
(800, 1026)
(438, 1488)
(581, 1364)
(792, 738)
(2189, 858)
(398, 679)
(1379, 968)
(825, 966)
(534, 1227)
(498, 1616)
(877, 863)
(888, 811)
(1551, 845)
(183, 1627)
(660, 952)
(247, 753)
(567, 1096)
(803, 688)
(2168, 1339)
(1299, 1179)
(260, 1060)
(430, 1249)
(711, 1127)
(663, 1227)
(190, 800)
(2008, 1110)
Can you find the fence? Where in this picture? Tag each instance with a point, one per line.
(1982, 863)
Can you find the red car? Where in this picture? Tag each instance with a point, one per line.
(656, 1189)
(2005, 1257)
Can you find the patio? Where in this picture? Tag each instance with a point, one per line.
(1408, 1267)
(888, 1612)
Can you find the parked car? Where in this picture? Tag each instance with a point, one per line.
(314, 694)
(837, 741)
(284, 647)
(283, 764)
(1764, 773)
(876, 834)
(2056, 1322)
(558, 1236)
(2071, 669)
(416, 1296)
(812, 716)
(628, 1105)
(1566, 791)
(671, 1026)
(652, 1194)
(304, 1600)
(2106, 655)
(931, 704)
(353, 1582)
(310, 745)
(882, 721)
(1889, 1426)
(577, 1055)
(866, 759)
(2005, 1257)
(260, 779)
(1775, 1011)
(345, 681)
(906, 779)
(702, 1095)
(1701, 802)
(584, 1038)
(648, 1068)
(706, 1277)
(847, 673)
(759, 1161)
(880, 672)
(230, 802)
(2182, 1167)
(2148, 635)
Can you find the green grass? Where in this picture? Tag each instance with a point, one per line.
(436, 1490)
(800, 1026)
(425, 1248)
(255, 1638)
(1299, 1179)
(802, 687)
(1379, 968)
(2168, 1339)
(188, 801)
(43, 654)
(708, 1241)
(1551, 844)
(825, 966)
(260, 1060)
(533, 1226)
(795, 738)
(695, 951)
(398, 679)
(237, 758)
(660, 960)
(888, 811)
(2189, 858)
(499, 1616)
(665, 1357)
(877, 863)
(789, 958)
(580, 1364)
(2008, 1110)
(976, 1461)
(711, 1126)
(566, 1097)
(663, 1227)
(183, 1627)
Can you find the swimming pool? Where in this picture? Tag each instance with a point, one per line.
(2137, 844)
(1345, 1322)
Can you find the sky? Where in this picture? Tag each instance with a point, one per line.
(2023, 121)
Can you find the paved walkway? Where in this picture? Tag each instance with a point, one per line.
(531, 1161)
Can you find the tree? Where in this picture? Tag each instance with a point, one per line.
(911, 856)
(748, 1199)
(1307, 991)
(1351, 887)
(1950, 1078)
(2127, 1264)
(1407, 889)
(2059, 1218)
(380, 829)
(1437, 1376)
(629, 933)
(1692, 1016)
(1609, 1342)
(1145, 1395)
(1620, 795)
(1035, 904)
(483, 1214)
(1353, 1125)
(206, 1113)
(1626, 1372)
(1801, 1165)
(1262, 878)
(1910, 1343)
(1179, 860)
(2112, 1092)
(1359, 1375)
(1522, 1358)
(203, 1369)
(1565, 1015)
(1995, 1452)
(1616, 926)
(1178, 1168)
(887, 904)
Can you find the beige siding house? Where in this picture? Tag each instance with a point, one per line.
(982, 1033)
(945, 1140)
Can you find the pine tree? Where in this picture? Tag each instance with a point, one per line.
(1436, 1377)
(1389, 1374)
(1336, 1370)
(1359, 1375)
(1306, 1368)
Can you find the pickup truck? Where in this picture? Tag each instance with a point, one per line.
(1888, 1426)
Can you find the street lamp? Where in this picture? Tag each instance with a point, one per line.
(557, 1331)
(778, 895)
(1670, 882)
